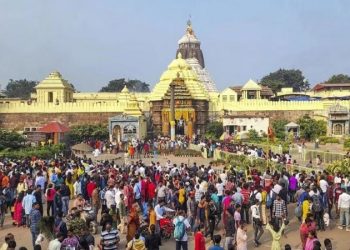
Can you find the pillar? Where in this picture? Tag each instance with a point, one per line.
(172, 112)
(189, 129)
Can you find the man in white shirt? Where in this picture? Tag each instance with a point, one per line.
(77, 187)
(257, 222)
(337, 178)
(323, 184)
(160, 210)
(117, 192)
(344, 208)
(183, 242)
(110, 197)
(56, 243)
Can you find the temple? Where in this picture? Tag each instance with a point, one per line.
(184, 100)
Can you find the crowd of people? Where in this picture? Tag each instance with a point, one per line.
(149, 203)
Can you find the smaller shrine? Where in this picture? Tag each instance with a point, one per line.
(338, 121)
(124, 128)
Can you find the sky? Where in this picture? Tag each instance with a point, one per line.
(93, 42)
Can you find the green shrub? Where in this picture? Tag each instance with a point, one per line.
(347, 143)
(45, 152)
(325, 139)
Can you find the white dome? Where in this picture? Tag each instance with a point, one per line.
(188, 38)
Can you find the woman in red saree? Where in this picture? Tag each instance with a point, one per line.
(17, 215)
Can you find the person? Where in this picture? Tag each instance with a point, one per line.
(38, 198)
(199, 240)
(133, 222)
(18, 210)
(58, 201)
(109, 238)
(276, 233)
(86, 240)
(34, 219)
(153, 240)
(136, 244)
(279, 210)
(182, 243)
(65, 196)
(242, 236)
(344, 208)
(27, 204)
(60, 225)
(11, 245)
(70, 241)
(9, 237)
(310, 242)
(123, 215)
(216, 241)
(50, 195)
(211, 215)
(328, 244)
(230, 229)
(304, 231)
(287, 247)
(257, 222)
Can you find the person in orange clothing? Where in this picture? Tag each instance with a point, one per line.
(199, 240)
(5, 182)
(131, 152)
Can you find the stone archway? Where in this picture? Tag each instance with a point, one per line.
(116, 134)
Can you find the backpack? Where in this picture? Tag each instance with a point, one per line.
(316, 203)
(179, 231)
(253, 199)
(269, 200)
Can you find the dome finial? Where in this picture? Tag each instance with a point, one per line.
(179, 55)
(189, 29)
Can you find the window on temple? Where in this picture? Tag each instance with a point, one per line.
(224, 98)
(50, 97)
(129, 129)
(232, 98)
(338, 129)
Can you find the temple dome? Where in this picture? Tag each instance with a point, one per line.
(189, 36)
(54, 80)
(180, 68)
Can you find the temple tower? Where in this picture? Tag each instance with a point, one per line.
(190, 46)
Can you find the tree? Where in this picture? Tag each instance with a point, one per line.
(11, 140)
(214, 130)
(81, 133)
(285, 78)
(279, 129)
(20, 88)
(310, 128)
(340, 78)
(253, 135)
(133, 86)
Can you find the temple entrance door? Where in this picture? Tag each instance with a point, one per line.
(338, 129)
(116, 136)
(180, 127)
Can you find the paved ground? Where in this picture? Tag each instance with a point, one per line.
(340, 238)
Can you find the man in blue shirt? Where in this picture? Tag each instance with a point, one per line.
(35, 217)
(216, 246)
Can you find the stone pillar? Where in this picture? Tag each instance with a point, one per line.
(189, 129)
(172, 112)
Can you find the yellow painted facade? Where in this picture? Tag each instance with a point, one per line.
(55, 95)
